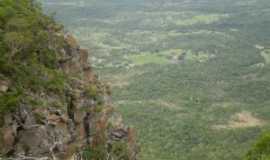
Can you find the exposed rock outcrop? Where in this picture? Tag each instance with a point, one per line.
(70, 125)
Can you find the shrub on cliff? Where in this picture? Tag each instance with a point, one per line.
(28, 50)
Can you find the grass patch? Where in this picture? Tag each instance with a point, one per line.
(148, 58)
(200, 19)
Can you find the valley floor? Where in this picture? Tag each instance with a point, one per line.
(191, 76)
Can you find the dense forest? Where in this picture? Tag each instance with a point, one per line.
(192, 76)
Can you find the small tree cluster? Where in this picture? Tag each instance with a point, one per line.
(261, 150)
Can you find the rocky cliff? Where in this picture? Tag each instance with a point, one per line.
(59, 111)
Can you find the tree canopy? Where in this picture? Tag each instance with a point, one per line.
(28, 50)
(261, 150)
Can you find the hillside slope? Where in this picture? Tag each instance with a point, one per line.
(52, 105)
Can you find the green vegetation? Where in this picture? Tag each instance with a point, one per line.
(120, 150)
(92, 91)
(148, 59)
(200, 85)
(203, 19)
(33, 48)
(261, 150)
(27, 57)
(10, 100)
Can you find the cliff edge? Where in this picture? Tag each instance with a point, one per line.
(52, 105)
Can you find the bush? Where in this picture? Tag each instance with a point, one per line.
(92, 91)
(120, 151)
(261, 150)
(10, 100)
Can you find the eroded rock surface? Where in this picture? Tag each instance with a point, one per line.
(82, 119)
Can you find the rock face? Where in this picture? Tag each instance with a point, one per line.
(71, 125)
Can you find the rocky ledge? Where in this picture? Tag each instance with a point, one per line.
(78, 124)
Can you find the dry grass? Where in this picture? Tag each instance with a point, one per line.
(243, 119)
